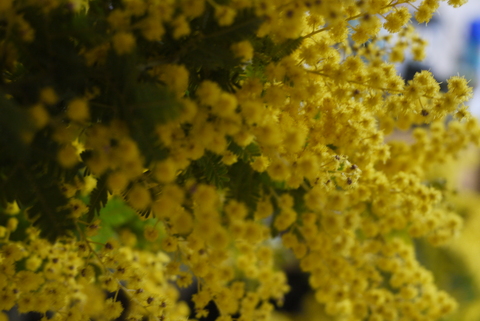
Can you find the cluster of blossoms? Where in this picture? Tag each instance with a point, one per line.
(278, 139)
(63, 278)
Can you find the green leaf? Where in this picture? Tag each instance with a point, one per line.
(51, 58)
(332, 147)
(269, 183)
(14, 124)
(43, 155)
(47, 207)
(116, 212)
(438, 184)
(245, 26)
(106, 232)
(98, 198)
(210, 55)
(245, 184)
(286, 48)
(299, 200)
(154, 104)
(276, 51)
(209, 169)
(247, 153)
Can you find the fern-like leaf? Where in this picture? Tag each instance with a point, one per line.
(47, 207)
(210, 170)
(244, 184)
(245, 25)
(98, 198)
(276, 51)
(14, 122)
(286, 48)
(247, 153)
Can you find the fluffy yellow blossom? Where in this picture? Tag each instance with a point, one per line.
(68, 156)
(225, 15)
(169, 244)
(48, 96)
(425, 10)
(6, 5)
(123, 42)
(176, 77)
(208, 92)
(113, 309)
(239, 132)
(243, 50)
(139, 197)
(11, 208)
(457, 3)
(397, 19)
(229, 158)
(152, 30)
(25, 31)
(225, 105)
(165, 171)
(181, 27)
(151, 233)
(78, 110)
(193, 8)
(117, 182)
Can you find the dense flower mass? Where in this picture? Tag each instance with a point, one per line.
(235, 130)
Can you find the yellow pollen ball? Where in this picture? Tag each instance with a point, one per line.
(39, 115)
(260, 163)
(243, 50)
(5, 5)
(279, 170)
(165, 171)
(150, 233)
(139, 197)
(123, 42)
(77, 110)
(48, 96)
(117, 182)
(208, 92)
(67, 156)
(225, 15)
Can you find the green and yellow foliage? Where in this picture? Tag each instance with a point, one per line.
(148, 145)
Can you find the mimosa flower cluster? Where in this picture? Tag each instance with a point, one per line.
(236, 130)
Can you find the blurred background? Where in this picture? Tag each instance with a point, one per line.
(453, 37)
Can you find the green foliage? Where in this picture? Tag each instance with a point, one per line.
(332, 147)
(276, 51)
(449, 270)
(98, 198)
(245, 154)
(211, 170)
(244, 185)
(52, 57)
(14, 123)
(114, 215)
(46, 206)
(206, 53)
(127, 92)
